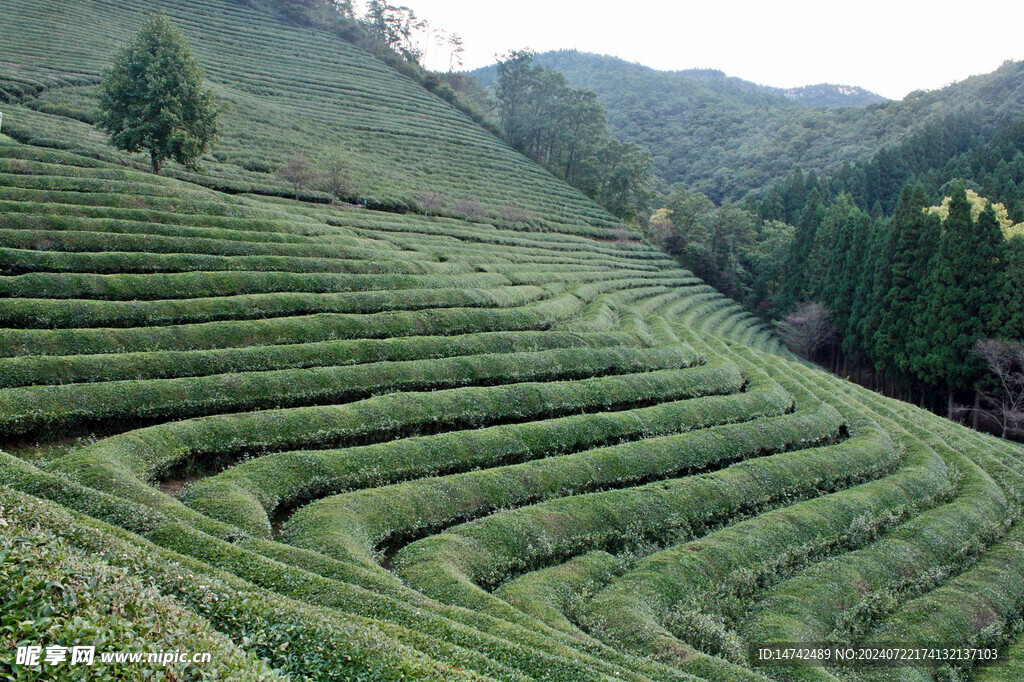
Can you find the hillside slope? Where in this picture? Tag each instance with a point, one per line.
(287, 91)
(724, 136)
(358, 444)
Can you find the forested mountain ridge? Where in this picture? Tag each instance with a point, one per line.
(832, 95)
(725, 137)
(585, 70)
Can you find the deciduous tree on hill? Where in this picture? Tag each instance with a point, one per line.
(153, 99)
(299, 172)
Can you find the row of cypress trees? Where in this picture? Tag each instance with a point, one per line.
(909, 294)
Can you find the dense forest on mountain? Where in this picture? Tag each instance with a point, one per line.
(726, 137)
(869, 243)
(916, 255)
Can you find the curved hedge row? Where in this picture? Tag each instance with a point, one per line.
(489, 551)
(720, 573)
(356, 523)
(555, 595)
(833, 596)
(18, 216)
(35, 408)
(37, 370)
(14, 261)
(248, 493)
(49, 313)
(100, 603)
(122, 461)
(322, 642)
(200, 284)
(285, 330)
(977, 609)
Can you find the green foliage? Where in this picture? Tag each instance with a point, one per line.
(725, 137)
(153, 98)
(565, 131)
(964, 280)
(900, 340)
(56, 595)
(729, 247)
(909, 294)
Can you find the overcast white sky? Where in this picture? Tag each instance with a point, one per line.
(891, 47)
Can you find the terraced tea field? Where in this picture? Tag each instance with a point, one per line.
(287, 91)
(331, 442)
(421, 446)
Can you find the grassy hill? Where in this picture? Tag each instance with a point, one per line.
(725, 136)
(332, 442)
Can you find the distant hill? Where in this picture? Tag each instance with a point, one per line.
(726, 136)
(833, 96)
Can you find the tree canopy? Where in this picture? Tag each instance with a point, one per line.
(565, 130)
(153, 99)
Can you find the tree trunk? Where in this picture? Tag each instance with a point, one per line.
(155, 163)
(949, 406)
(976, 410)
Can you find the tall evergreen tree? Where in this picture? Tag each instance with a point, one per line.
(153, 100)
(857, 234)
(822, 255)
(795, 288)
(914, 236)
(842, 276)
(872, 292)
(793, 196)
(966, 281)
(1010, 315)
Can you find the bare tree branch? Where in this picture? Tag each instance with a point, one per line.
(431, 202)
(808, 329)
(336, 176)
(515, 215)
(471, 208)
(299, 172)
(1005, 403)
